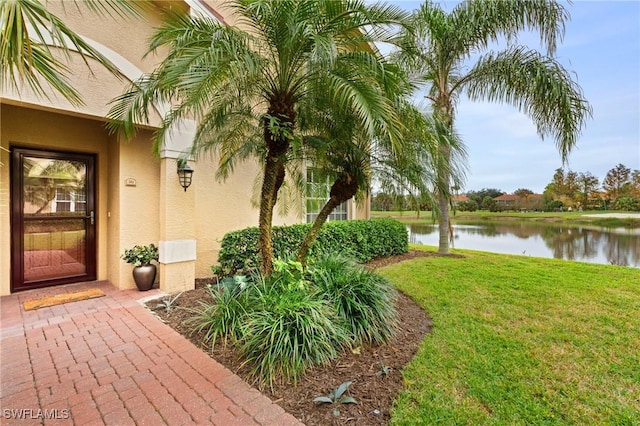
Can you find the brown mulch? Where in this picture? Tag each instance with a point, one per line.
(374, 370)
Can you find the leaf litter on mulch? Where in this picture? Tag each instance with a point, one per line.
(375, 371)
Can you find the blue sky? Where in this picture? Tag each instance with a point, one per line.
(602, 48)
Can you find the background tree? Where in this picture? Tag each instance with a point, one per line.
(468, 206)
(523, 197)
(617, 182)
(439, 44)
(244, 88)
(587, 189)
(556, 187)
(382, 202)
(564, 187)
(635, 184)
(489, 203)
(523, 192)
(479, 196)
(627, 203)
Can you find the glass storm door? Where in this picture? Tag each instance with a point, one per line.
(52, 218)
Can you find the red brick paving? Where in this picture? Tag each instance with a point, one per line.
(108, 361)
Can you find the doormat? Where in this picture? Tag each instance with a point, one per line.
(59, 299)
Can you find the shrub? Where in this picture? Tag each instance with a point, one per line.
(361, 239)
(467, 206)
(364, 301)
(279, 323)
(554, 205)
(627, 203)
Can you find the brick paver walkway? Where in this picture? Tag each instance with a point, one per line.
(109, 361)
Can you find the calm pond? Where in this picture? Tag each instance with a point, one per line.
(618, 246)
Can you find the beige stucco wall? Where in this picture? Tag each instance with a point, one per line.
(225, 206)
(136, 211)
(361, 210)
(5, 230)
(128, 36)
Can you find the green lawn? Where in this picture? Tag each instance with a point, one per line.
(551, 217)
(521, 340)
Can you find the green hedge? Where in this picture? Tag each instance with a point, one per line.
(362, 240)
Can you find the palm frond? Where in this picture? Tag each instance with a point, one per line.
(538, 86)
(479, 22)
(27, 40)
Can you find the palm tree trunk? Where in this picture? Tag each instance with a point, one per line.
(444, 191)
(312, 234)
(277, 144)
(273, 166)
(343, 189)
(443, 224)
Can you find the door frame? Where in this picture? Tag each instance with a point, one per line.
(17, 216)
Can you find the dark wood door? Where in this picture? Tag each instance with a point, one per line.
(53, 222)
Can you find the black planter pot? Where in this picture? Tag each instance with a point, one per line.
(144, 276)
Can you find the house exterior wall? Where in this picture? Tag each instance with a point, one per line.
(226, 206)
(136, 213)
(5, 222)
(155, 209)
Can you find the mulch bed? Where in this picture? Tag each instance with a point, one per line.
(374, 370)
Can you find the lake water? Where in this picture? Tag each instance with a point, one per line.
(618, 246)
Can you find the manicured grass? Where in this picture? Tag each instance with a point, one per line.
(578, 218)
(521, 340)
(483, 213)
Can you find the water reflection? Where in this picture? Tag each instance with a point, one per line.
(618, 246)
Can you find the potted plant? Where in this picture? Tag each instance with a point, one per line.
(144, 273)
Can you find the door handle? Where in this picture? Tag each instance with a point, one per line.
(92, 217)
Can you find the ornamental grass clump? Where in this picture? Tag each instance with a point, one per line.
(292, 330)
(364, 300)
(222, 318)
(297, 317)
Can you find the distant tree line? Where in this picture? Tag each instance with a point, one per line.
(619, 190)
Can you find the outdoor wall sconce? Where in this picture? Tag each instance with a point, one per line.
(184, 174)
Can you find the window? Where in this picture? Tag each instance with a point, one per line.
(69, 200)
(63, 200)
(80, 202)
(317, 195)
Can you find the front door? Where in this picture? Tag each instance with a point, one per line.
(52, 218)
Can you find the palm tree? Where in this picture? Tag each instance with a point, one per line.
(244, 87)
(30, 34)
(343, 156)
(437, 50)
(412, 175)
(346, 155)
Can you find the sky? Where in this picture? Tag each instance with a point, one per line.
(601, 48)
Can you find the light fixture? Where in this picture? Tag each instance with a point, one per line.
(184, 173)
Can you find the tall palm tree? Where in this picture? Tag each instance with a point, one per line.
(244, 87)
(440, 44)
(29, 35)
(412, 175)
